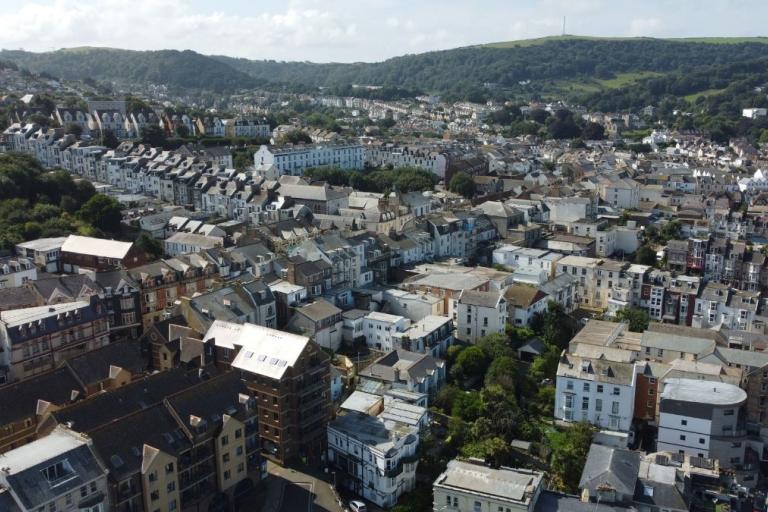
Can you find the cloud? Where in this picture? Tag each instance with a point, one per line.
(645, 27)
(155, 24)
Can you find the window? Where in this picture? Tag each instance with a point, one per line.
(169, 468)
(93, 487)
(68, 499)
(153, 476)
(728, 412)
(239, 450)
(682, 437)
(224, 440)
(227, 474)
(701, 440)
(83, 491)
(52, 507)
(238, 433)
(683, 422)
(599, 388)
(584, 403)
(154, 496)
(172, 505)
(569, 385)
(616, 391)
(226, 457)
(240, 467)
(478, 507)
(171, 487)
(598, 405)
(615, 408)
(586, 387)
(448, 500)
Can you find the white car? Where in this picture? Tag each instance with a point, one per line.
(357, 506)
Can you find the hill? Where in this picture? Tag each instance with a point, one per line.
(461, 72)
(176, 69)
(567, 65)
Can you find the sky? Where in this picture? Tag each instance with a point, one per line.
(355, 30)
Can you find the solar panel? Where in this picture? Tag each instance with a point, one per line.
(262, 358)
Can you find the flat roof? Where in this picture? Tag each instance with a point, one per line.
(504, 483)
(96, 247)
(715, 393)
(43, 244)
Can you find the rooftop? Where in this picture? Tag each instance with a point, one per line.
(690, 390)
(96, 247)
(518, 485)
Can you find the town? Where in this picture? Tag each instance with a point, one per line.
(287, 300)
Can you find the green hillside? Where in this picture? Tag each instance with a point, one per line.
(544, 67)
(179, 69)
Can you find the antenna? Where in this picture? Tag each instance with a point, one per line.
(563, 25)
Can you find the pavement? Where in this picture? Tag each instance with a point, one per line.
(299, 490)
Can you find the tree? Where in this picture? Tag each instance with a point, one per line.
(637, 318)
(470, 365)
(295, 137)
(593, 131)
(539, 115)
(671, 231)
(109, 139)
(502, 372)
(569, 453)
(74, 129)
(151, 247)
(493, 450)
(545, 366)
(494, 345)
(153, 135)
(645, 255)
(462, 183)
(182, 131)
(467, 405)
(102, 212)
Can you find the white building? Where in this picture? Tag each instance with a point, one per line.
(15, 272)
(526, 257)
(59, 471)
(373, 455)
(45, 252)
(185, 243)
(754, 113)
(704, 419)
(473, 486)
(379, 329)
(432, 334)
(621, 193)
(479, 314)
(595, 390)
(377, 155)
(294, 160)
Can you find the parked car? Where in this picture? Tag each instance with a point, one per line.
(357, 506)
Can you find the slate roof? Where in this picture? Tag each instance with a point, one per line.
(106, 407)
(614, 467)
(94, 366)
(19, 400)
(28, 462)
(482, 299)
(411, 365)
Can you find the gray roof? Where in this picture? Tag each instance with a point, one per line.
(27, 463)
(504, 483)
(94, 366)
(658, 494)
(551, 501)
(410, 365)
(482, 299)
(319, 310)
(614, 467)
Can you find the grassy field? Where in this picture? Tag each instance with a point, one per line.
(543, 40)
(709, 92)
